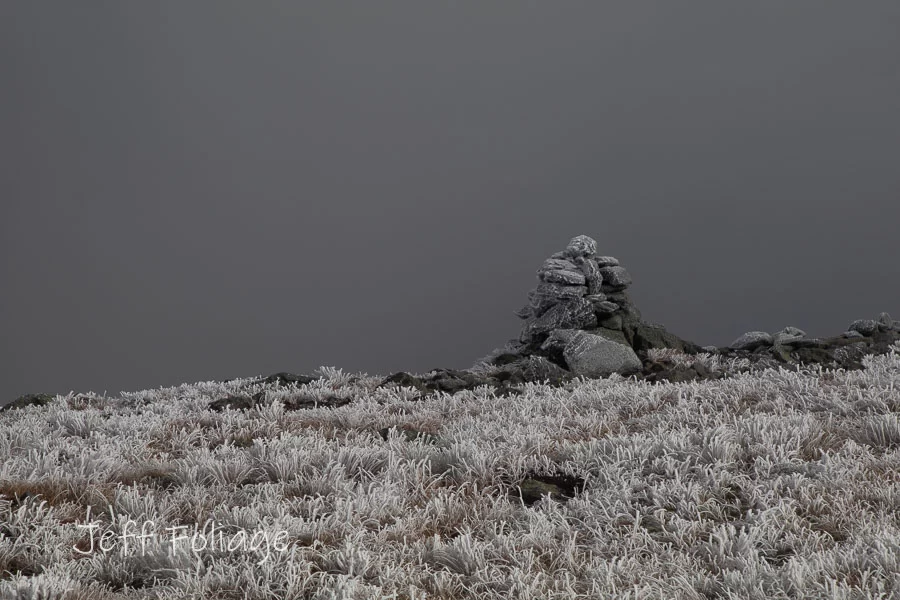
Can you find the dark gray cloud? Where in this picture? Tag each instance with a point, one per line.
(195, 192)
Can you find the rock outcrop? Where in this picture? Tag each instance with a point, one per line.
(791, 347)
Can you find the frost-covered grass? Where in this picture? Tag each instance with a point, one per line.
(767, 484)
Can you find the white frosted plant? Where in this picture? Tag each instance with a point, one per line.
(769, 483)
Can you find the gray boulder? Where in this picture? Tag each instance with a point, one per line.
(615, 277)
(752, 340)
(606, 261)
(558, 339)
(885, 321)
(546, 295)
(571, 314)
(865, 326)
(605, 307)
(581, 245)
(852, 334)
(788, 334)
(595, 356)
(596, 298)
(591, 273)
(563, 277)
(558, 264)
(613, 335)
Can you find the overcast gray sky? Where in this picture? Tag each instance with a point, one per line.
(200, 191)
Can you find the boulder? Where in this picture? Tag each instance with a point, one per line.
(885, 321)
(604, 308)
(558, 264)
(865, 326)
(574, 314)
(752, 340)
(559, 339)
(613, 335)
(788, 334)
(615, 277)
(581, 246)
(545, 295)
(606, 261)
(592, 277)
(563, 277)
(595, 356)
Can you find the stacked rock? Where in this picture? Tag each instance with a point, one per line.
(578, 290)
(581, 319)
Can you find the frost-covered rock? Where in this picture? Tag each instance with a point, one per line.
(574, 314)
(581, 246)
(563, 277)
(788, 334)
(752, 340)
(595, 356)
(865, 326)
(606, 261)
(615, 277)
(578, 290)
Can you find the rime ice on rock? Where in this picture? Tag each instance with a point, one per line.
(580, 319)
(581, 246)
(864, 326)
(569, 294)
(573, 314)
(788, 334)
(595, 356)
(616, 278)
(606, 261)
(580, 291)
(751, 340)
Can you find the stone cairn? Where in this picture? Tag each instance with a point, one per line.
(581, 319)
